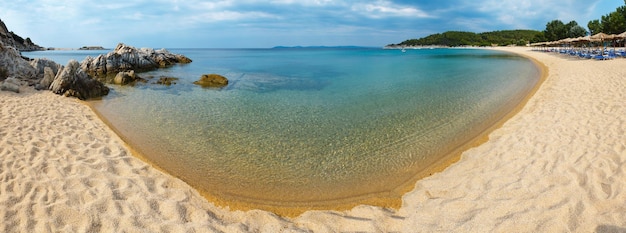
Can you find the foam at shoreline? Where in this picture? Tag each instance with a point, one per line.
(557, 165)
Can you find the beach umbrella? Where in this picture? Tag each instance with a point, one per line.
(602, 37)
(621, 36)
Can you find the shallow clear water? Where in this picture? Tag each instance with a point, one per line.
(311, 125)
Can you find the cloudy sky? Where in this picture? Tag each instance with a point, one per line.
(261, 24)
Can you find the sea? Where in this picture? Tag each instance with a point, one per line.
(300, 126)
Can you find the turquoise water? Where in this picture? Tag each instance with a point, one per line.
(312, 125)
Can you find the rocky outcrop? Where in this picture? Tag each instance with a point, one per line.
(126, 58)
(12, 64)
(42, 79)
(212, 80)
(39, 64)
(17, 71)
(73, 81)
(11, 39)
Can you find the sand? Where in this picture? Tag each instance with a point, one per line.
(558, 165)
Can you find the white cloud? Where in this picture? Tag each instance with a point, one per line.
(522, 13)
(49, 22)
(384, 9)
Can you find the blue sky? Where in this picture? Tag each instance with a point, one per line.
(262, 24)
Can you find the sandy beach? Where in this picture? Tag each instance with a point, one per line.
(558, 165)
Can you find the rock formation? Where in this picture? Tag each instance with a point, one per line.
(12, 64)
(40, 79)
(17, 71)
(73, 81)
(212, 80)
(126, 58)
(11, 39)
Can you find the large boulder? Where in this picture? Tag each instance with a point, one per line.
(212, 80)
(126, 58)
(73, 81)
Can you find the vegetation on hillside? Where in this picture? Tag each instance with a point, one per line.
(455, 38)
(612, 23)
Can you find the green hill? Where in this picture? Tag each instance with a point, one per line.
(456, 38)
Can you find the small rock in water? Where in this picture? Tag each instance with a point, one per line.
(124, 77)
(166, 81)
(212, 80)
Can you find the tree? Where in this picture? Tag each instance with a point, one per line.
(613, 23)
(571, 24)
(595, 26)
(555, 30)
(576, 31)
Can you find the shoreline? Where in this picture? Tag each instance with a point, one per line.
(385, 199)
(556, 164)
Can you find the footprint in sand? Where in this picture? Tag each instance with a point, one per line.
(38, 144)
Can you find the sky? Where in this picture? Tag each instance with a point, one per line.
(269, 23)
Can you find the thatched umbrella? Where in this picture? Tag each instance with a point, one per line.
(602, 37)
(621, 36)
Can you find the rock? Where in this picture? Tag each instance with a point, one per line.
(13, 65)
(73, 81)
(125, 77)
(126, 58)
(11, 39)
(212, 80)
(48, 78)
(39, 64)
(166, 81)
(45, 70)
(11, 84)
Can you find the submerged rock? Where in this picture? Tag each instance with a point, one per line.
(166, 81)
(126, 58)
(212, 80)
(73, 81)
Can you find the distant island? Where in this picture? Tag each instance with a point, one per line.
(92, 48)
